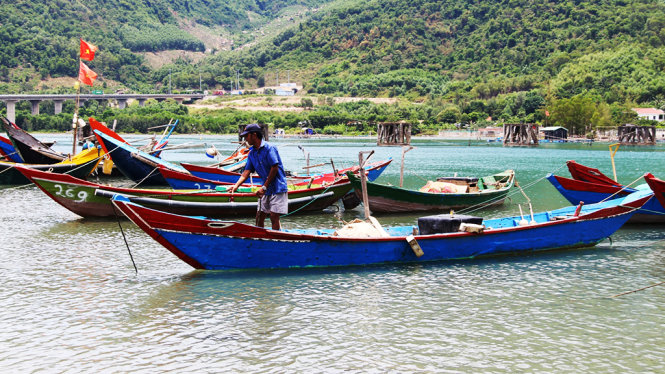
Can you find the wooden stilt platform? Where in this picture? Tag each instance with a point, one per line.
(520, 134)
(393, 133)
(637, 135)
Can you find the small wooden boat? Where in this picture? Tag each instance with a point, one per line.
(183, 180)
(457, 193)
(215, 174)
(82, 165)
(217, 244)
(588, 174)
(8, 152)
(137, 165)
(89, 199)
(658, 188)
(576, 191)
(32, 151)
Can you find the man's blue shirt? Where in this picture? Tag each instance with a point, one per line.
(261, 160)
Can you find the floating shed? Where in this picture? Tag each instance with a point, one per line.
(555, 133)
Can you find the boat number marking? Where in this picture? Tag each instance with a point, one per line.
(204, 187)
(69, 193)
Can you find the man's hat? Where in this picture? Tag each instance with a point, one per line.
(252, 127)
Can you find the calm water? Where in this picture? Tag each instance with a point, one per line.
(72, 302)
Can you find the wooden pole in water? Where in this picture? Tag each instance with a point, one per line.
(613, 151)
(363, 180)
(401, 169)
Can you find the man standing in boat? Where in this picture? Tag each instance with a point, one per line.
(263, 158)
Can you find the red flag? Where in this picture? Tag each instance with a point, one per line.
(86, 76)
(87, 51)
(547, 113)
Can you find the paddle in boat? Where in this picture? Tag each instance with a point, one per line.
(217, 244)
(89, 199)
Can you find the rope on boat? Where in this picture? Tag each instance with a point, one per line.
(311, 201)
(623, 188)
(482, 205)
(124, 238)
(6, 157)
(146, 177)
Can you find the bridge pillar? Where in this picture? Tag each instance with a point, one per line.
(179, 100)
(141, 102)
(57, 106)
(122, 103)
(11, 110)
(34, 107)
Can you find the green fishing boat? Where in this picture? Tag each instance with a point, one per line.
(441, 195)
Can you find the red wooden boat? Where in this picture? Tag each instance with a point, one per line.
(657, 186)
(588, 174)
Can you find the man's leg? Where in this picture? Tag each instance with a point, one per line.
(260, 218)
(274, 218)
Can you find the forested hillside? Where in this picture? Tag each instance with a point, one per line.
(466, 60)
(477, 49)
(40, 37)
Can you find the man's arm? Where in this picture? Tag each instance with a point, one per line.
(271, 176)
(243, 177)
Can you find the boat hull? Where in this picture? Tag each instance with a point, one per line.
(11, 175)
(223, 245)
(136, 165)
(81, 197)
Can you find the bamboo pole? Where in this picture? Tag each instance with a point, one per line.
(401, 169)
(363, 180)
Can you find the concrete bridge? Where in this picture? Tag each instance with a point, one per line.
(121, 99)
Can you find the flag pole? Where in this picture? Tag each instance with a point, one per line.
(77, 85)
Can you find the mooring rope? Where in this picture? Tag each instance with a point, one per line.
(483, 205)
(136, 270)
(313, 200)
(623, 188)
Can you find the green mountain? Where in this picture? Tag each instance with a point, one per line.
(475, 49)
(467, 52)
(40, 37)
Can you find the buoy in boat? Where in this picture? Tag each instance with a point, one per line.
(522, 222)
(212, 152)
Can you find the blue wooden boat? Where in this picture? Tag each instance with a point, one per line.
(133, 163)
(216, 244)
(224, 176)
(576, 191)
(8, 152)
